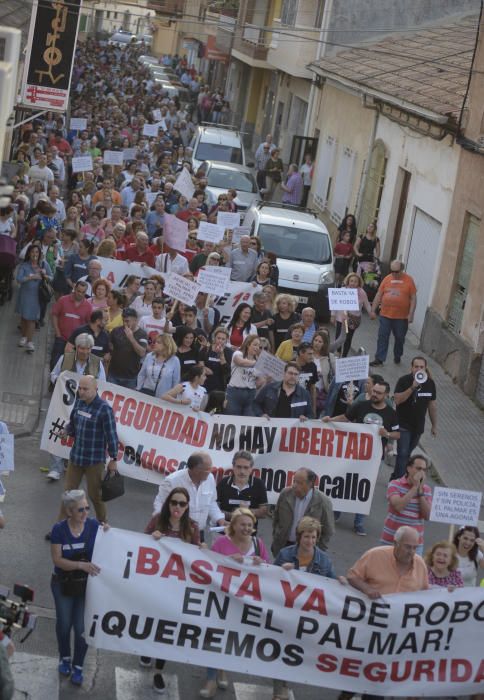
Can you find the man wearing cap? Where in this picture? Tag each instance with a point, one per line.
(128, 345)
(415, 394)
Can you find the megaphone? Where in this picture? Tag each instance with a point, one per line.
(421, 376)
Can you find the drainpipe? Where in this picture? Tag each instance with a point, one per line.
(371, 143)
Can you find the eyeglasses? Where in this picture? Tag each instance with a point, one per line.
(84, 509)
(192, 238)
(174, 503)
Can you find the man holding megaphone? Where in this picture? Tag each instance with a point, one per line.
(415, 394)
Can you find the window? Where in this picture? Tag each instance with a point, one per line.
(289, 12)
(342, 184)
(323, 171)
(294, 243)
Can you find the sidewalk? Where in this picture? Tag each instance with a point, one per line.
(457, 453)
(21, 374)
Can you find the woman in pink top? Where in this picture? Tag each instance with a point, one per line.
(100, 290)
(238, 543)
(352, 281)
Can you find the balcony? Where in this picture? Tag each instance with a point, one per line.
(251, 43)
(171, 8)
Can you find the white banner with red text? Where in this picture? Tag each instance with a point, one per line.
(157, 437)
(170, 600)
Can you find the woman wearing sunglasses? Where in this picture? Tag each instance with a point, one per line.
(72, 545)
(172, 521)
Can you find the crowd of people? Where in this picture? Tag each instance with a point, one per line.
(137, 337)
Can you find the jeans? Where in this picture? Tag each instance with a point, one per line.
(406, 444)
(397, 326)
(122, 381)
(69, 612)
(57, 465)
(57, 350)
(240, 402)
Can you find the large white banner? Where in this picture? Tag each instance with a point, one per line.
(171, 600)
(157, 438)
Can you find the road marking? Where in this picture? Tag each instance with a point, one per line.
(35, 677)
(246, 691)
(132, 685)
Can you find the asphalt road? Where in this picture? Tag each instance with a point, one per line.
(30, 508)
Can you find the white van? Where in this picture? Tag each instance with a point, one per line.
(303, 248)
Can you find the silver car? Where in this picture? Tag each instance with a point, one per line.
(224, 176)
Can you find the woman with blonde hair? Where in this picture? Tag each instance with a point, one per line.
(325, 362)
(443, 566)
(238, 543)
(243, 380)
(284, 316)
(160, 370)
(106, 249)
(353, 318)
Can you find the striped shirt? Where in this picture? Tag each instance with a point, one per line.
(294, 184)
(410, 515)
(94, 430)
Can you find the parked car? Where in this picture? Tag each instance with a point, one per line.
(303, 248)
(121, 38)
(144, 39)
(223, 176)
(217, 143)
(149, 61)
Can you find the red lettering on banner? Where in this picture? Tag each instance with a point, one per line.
(302, 442)
(127, 412)
(316, 602)
(107, 396)
(350, 667)
(352, 446)
(117, 403)
(455, 666)
(147, 562)
(174, 567)
(480, 673)
(228, 575)
(424, 670)
(154, 420)
(290, 595)
(366, 446)
(325, 442)
(375, 672)
(110, 277)
(250, 587)
(327, 663)
(198, 574)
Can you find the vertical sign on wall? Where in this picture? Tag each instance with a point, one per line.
(50, 54)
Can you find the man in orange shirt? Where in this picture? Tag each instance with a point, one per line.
(397, 297)
(107, 189)
(389, 569)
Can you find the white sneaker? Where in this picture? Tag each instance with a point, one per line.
(22, 342)
(30, 347)
(53, 475)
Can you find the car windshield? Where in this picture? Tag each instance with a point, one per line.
(224, 179)
(216, 151)
(295, 243)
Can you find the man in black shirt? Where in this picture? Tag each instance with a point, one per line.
(308, 372)
(413, 399)
(128, 347)
(241, 489)
(376, 411)
(95, 327)
(286, 399)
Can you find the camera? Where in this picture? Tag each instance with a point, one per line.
(14, 614)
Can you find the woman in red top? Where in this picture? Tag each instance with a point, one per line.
(172, 521)
(240, 325)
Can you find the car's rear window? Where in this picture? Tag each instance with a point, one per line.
(223, 179)
(294, 243)
(216, 151)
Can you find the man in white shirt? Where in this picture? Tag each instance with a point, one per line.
(40, 172)
(172, 261)
(57, 203)
(61, 168)
(198, 480)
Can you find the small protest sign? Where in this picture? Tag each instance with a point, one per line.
(181, 288)
(82, 164)
(268, 365)
(210, 232)
(455, 506)
(343, 299)
(352, 368)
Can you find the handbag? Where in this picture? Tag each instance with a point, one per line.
(112, 486)
(73, 583)
(45, 291)
(353, 321)
(152, 392)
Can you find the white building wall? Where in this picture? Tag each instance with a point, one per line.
(433, 168)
